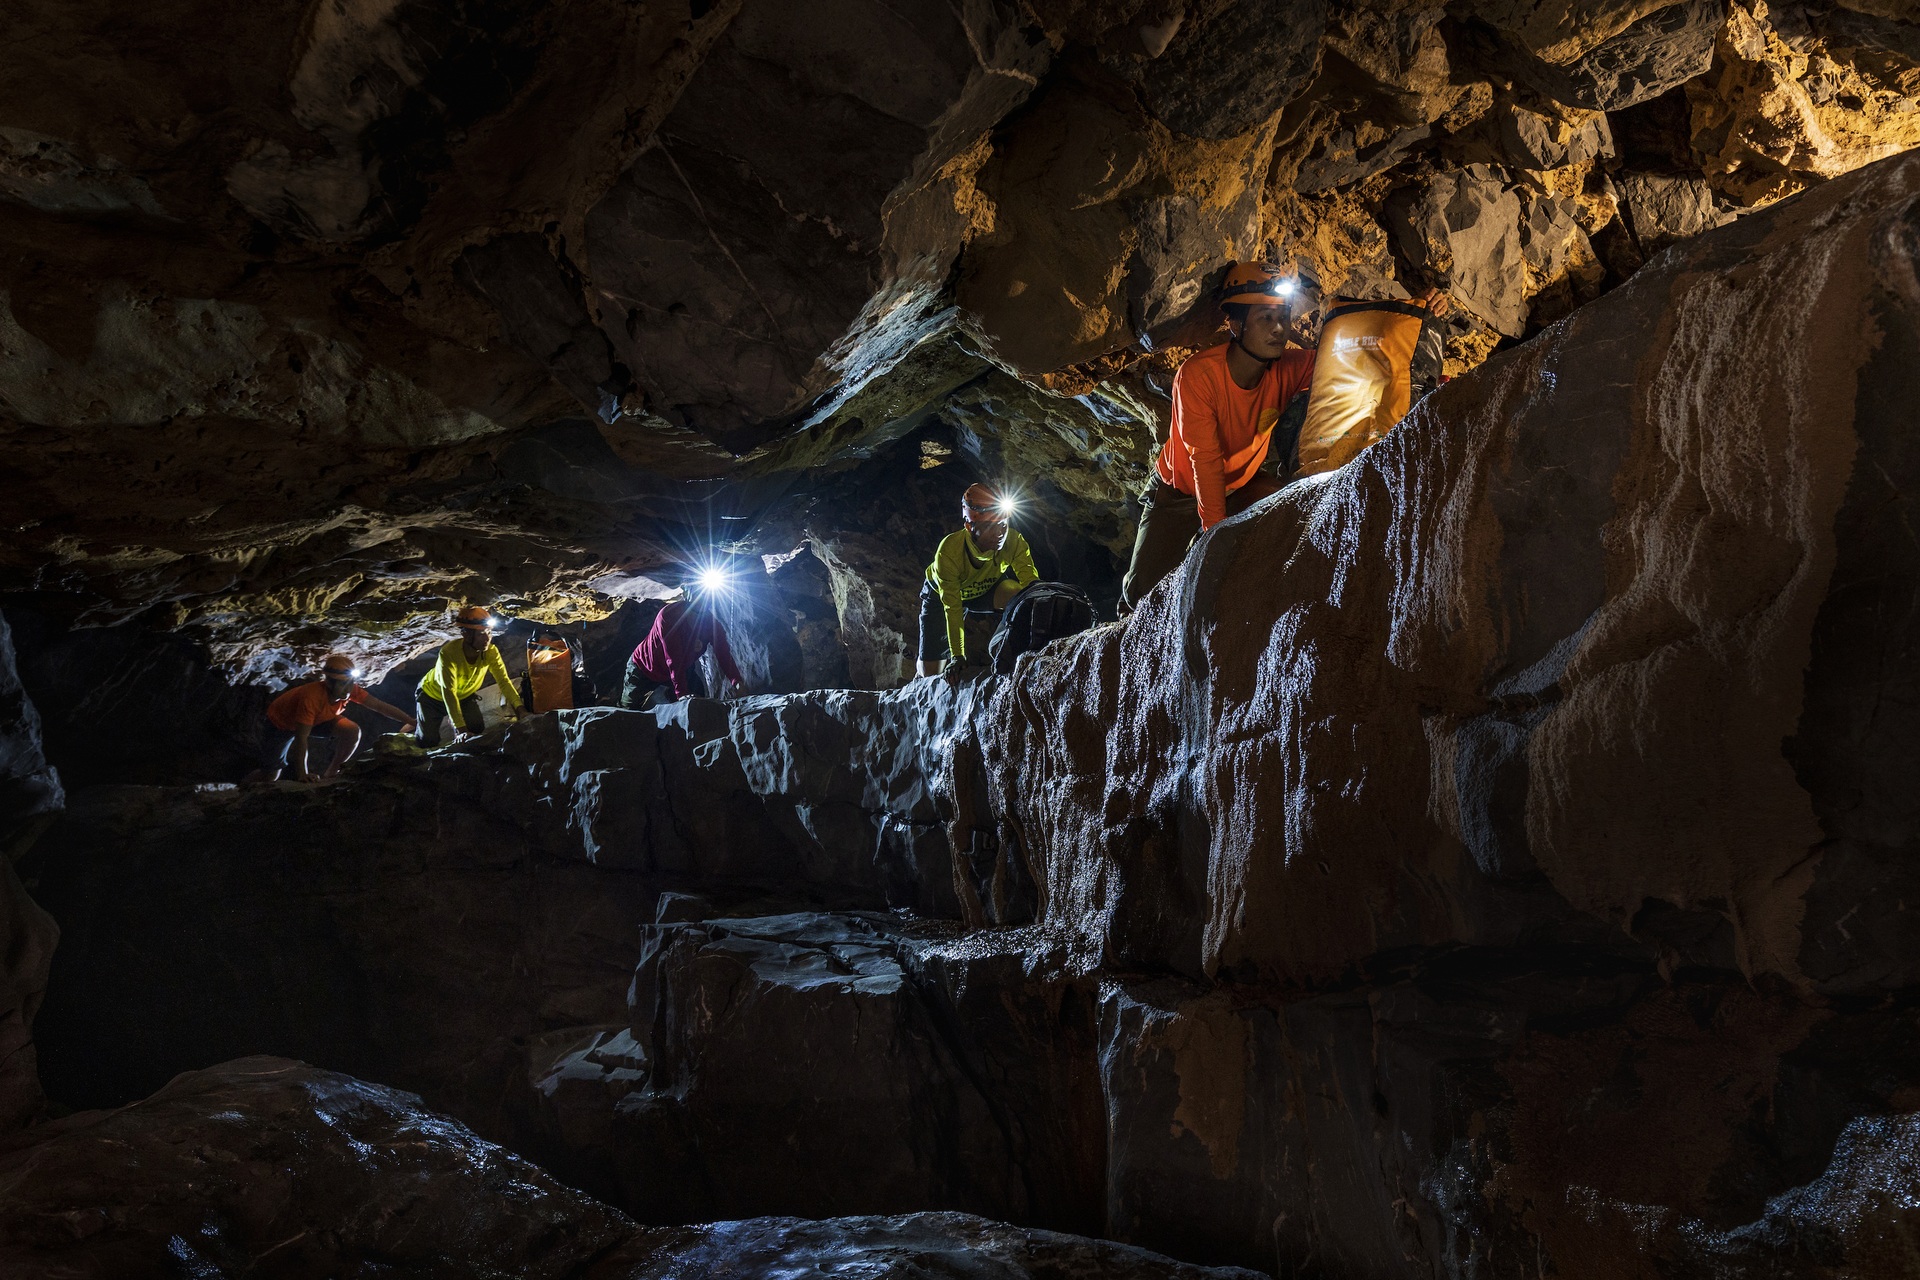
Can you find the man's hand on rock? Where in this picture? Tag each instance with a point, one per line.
(1436, 301)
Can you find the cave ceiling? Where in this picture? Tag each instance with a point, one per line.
(319, 317)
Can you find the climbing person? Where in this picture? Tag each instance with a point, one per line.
(669, 657)
(449, 689)
(1226, 401)
(318, 710)
(983, 565)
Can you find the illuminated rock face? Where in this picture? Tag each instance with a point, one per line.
(427, 305)
(1544, 661)
(1495, 848)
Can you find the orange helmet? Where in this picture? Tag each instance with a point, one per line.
(474, 615)
(980, 502)
(1249, 282)
(338, 664)
(985, 513)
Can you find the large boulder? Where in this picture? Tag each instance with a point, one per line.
(825, 1064)
(1604, 56)
(1462, 229)
(266, 1166)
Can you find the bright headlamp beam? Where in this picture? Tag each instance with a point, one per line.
(714, 579)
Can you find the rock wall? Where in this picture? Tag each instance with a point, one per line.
(1527, 668)
(1489, 858)
(30, 795)
(428, 303)
(389, 900)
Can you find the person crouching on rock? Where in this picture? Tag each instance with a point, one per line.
(984, 565)
(318, 710)
(670, 655)
(451, 686)
(1226, 400)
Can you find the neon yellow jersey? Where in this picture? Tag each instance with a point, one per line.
(454, 676)
(962, 573)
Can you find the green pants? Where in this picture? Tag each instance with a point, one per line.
(1169, 522)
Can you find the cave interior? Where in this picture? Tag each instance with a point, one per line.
(1484, 858)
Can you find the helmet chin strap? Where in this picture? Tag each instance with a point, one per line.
(1263, 361)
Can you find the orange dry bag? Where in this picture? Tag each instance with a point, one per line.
(1364, 378)
(549, 674)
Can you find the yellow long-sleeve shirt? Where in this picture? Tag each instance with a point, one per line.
(454, 675)
(962, 573)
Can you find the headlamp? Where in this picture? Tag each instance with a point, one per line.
(713, 579)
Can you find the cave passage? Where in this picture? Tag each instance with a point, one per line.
(1037, 639)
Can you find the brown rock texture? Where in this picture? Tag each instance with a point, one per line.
(1535, 654)
(360, 312)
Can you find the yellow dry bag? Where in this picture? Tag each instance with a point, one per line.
(549, 674)
(1364, 377)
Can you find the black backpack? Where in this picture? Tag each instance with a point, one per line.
(1044, 611)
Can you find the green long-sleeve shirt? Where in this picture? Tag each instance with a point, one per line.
(454, 676)
(962, 573)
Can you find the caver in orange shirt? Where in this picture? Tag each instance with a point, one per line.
(309, 704)
(1221, 430)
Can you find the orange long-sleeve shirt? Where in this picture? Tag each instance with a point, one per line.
(1221, 430)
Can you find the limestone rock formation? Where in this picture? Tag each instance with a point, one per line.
(528, 875)
(268, 1166)
(1490, 858)
(1464, 610)
(357, 338)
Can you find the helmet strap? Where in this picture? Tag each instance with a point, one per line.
(1262, 361)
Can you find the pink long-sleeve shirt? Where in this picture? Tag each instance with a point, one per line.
(680, 634)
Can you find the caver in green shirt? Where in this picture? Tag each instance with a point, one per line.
(962, 573)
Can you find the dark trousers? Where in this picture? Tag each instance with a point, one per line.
(933, 619)
(276, 745)
(1169, 522)
(430, 711)
(640, 690)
